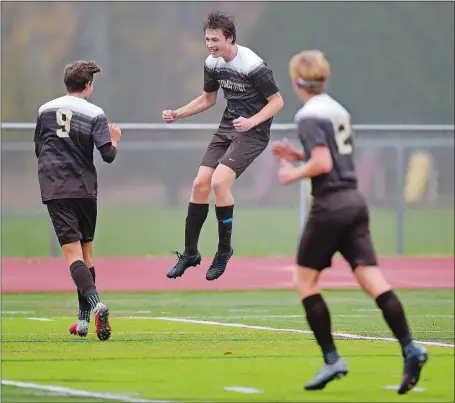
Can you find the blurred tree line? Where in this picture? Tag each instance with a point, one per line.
(392, 62)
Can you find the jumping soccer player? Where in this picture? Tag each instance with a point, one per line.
(253, 100)
(67, 129)
(338, 219)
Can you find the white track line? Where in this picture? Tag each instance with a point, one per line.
(83, 393)
(274, 329)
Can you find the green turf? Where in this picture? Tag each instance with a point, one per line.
(259, 232)
(159, 359)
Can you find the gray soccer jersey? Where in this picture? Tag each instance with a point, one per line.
(322, 121)
(246, 81)
(67, 129)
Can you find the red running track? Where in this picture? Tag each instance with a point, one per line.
(149, 274)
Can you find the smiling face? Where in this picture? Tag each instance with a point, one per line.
(220, 35)
(217, 43)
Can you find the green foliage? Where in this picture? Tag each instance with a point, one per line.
(391, 62)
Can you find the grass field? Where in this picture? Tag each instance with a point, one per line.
(151, 357)
(259, 232)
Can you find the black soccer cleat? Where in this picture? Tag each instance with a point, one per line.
(218, 265)
(185, 261)
(327, 374)
(413, 364)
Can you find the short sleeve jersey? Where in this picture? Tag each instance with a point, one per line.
(322, 121)
(246, 81)
(67, 129)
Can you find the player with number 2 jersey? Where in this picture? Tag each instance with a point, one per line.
(338, 220)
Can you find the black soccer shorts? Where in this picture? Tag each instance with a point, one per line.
(73, 219)
(235, 150)
(337, 222)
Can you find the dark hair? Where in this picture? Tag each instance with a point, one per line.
(221, 21)
(79, 73)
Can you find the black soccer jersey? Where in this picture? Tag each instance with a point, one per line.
(246, 82)
(67, 129)
(322, 121)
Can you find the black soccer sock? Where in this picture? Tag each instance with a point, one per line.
(93, 298)
(318, 317)
(83, 303)
(394, 315)
(84, 282)
(197, 214)
(225, 217)
(84, 314)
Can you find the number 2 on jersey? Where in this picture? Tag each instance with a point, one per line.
(343, 132)
(63, 117)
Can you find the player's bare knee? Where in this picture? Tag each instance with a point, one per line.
(305, 281)
(220, 185)
(372, 281)
(88, 260)
(222, 180)
(201, 187)
(87, 252)
(72, 252)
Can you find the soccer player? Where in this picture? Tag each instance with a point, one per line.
(67, 129)
(253, 100)
(338, 220)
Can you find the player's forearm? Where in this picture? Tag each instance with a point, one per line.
(312, 168)
(299, 155)
(196, 106)
(268, 111)
(108, 152)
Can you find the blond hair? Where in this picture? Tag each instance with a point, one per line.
(310, 69)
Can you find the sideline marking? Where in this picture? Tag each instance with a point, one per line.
(274, 329)
(76, 392)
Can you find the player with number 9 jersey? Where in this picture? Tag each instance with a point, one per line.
(67, 130)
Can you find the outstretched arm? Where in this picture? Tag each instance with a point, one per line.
(284, 150)
(200, 104)
(197, 105)
(320, 161)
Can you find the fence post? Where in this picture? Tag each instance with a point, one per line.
(53, 241)
(401, 207)
(303, 202)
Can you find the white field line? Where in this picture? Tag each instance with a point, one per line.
(396, 387)
(82, 393)
(302, 316)
(242, 389)
(274, 329)
(40, 319)
(229, 316)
